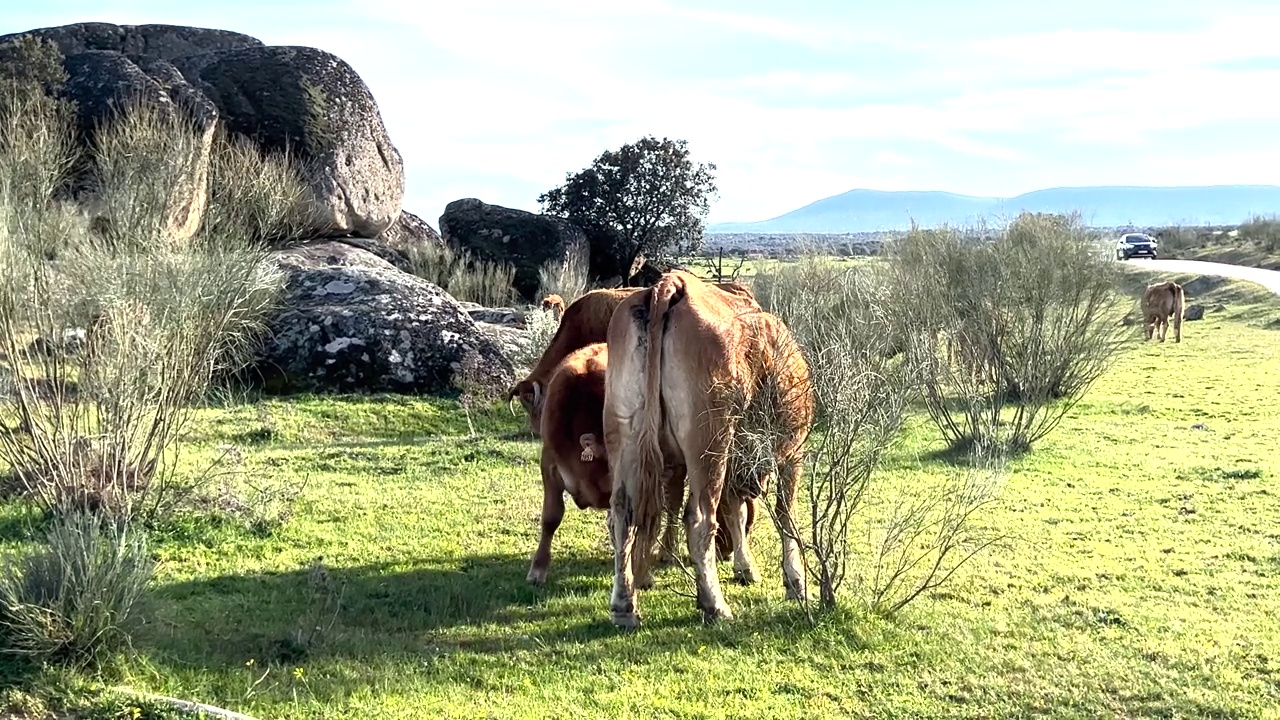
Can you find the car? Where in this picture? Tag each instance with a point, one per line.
(1131, 245)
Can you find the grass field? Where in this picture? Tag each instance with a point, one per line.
(1141, 577)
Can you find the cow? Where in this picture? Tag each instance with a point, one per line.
(687, 362)
(554, 304)
(575, 461)
(1160, 301)
(585, 321)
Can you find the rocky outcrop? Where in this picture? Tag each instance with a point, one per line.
(100, 83)
(499, 234)
(302, 99)
(158, 41)
(314, 105)
(408, 232)
(354, 323)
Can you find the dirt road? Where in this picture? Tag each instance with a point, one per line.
(1269, 279)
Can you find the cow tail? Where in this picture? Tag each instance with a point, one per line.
(649, 493)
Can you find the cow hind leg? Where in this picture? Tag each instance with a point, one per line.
(622, 601)
(735, 516)
(706, 480)
(673, 479)
(793, 575)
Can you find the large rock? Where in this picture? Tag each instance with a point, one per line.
(297, 98)
(500, 234)
(102, 83)
(313, 104)
(399, 244)
(354, 323)
(160, 41)
(410, 232)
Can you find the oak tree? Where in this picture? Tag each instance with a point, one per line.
(647, 199)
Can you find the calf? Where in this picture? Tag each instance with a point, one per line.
(1160, 301)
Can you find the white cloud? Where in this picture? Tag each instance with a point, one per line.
(500, 101)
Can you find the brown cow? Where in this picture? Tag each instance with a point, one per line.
(584, 322)
(555, 304)
(1160, 301)
(686, 362)
(575, 461)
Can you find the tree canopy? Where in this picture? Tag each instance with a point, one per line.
(648, 197)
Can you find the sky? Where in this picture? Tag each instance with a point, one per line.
(792, 101)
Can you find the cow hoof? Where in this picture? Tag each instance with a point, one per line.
(717, 614)
(536, 577)
(796, 592)
(749, 576)
(645, 582)
(628, 620)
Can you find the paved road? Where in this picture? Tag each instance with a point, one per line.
(1269, 279)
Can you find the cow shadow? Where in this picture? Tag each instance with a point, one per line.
(361, 611)
(381, 613)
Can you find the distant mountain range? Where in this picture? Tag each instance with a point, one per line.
(1105, 206)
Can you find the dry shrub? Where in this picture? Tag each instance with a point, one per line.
(1013, 329)
(164, 306)
(74, 599)
(539, 329)
(1263, 230)
(894, 540)
(570, 276)
(462, 275)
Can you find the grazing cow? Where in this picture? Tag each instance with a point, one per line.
(555, 304)
(585, 321)
(687, 362)
(574, 460)
(1160, 301)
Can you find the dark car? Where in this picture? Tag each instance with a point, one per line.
(1131, 245)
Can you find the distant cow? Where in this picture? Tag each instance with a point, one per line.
(684, 358)
(574, 459)
(555, 304)
(1160, 301)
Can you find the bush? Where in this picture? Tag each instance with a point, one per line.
(160, 303)
(74, 599)
(540, 327)
(1013, 330)
(1262, 230)
(568, 277)
(895, 541)
(463, 276)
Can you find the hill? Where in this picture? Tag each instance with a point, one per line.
(1102, 206)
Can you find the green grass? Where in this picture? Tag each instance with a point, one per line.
(1141, 578)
